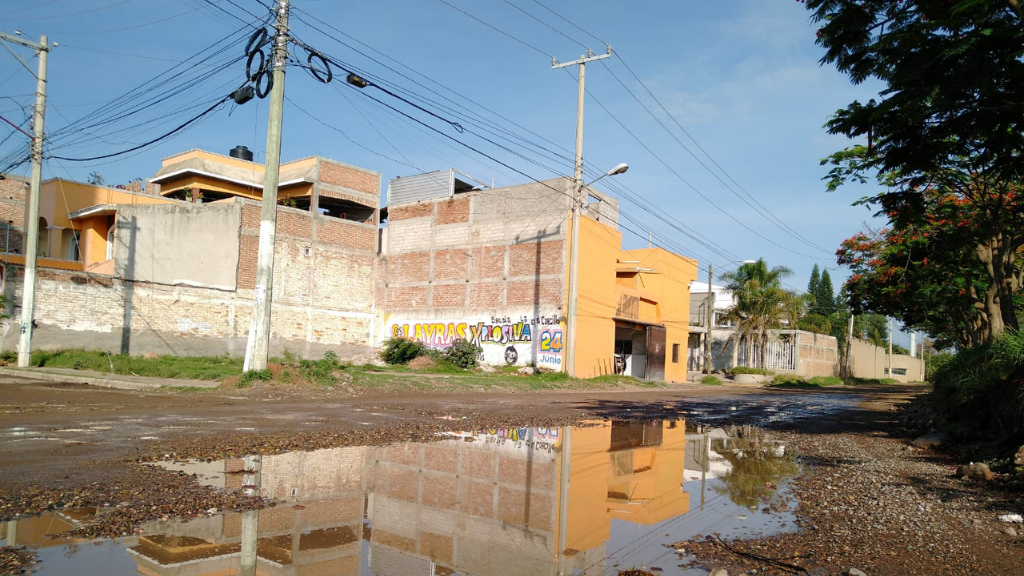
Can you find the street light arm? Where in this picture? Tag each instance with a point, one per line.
(620, 169)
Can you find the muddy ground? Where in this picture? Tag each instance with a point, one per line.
(868, 500)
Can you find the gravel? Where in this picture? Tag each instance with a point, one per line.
(870, 500)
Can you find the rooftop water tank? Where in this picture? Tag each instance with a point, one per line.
(241, 152)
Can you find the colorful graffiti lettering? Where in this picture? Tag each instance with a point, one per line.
(551, 341)
(439, 335)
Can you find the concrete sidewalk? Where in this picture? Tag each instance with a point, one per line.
(103, 379)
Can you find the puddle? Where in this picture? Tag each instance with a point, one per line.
(585, 500)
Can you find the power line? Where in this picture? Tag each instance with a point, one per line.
(496, 29)
(545, 24)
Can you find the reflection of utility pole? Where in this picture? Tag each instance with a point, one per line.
(704, 467)
(563, 495)
(258, 346)
(28, 301)
(577, 199)
(251, 467)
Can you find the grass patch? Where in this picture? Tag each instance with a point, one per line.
(794, 381)
(176, 367)
(871, 381)
(252, 376)
(710, 380)
(748, 370)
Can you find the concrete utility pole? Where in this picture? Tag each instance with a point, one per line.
(710, 319)
(849, 347)
(258, 347)
(577, 199)
(890, 347)
(28, 300)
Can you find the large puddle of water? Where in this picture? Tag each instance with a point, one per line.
(582, 500)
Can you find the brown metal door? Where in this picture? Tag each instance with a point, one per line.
(656, 352)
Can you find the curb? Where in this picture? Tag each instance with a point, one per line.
(103, 382)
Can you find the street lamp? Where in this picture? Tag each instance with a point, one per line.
(711, 315)
(574, 255)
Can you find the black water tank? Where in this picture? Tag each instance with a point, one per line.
(241, 152)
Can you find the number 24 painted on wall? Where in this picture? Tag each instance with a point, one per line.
(551, 341)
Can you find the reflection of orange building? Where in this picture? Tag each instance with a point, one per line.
(486, 503)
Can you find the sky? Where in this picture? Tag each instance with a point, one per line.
(717, 107)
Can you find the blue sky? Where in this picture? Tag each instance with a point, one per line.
(740, 76)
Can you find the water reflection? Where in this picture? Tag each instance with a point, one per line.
(523, 501)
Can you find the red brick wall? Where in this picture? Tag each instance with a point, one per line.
(408, 297)
(548, 291)
(411, 211)
(345, 233)
(487, 295)
(489, 262)
(413, 267)
(339, 175)
(450, 265)
(453, 211)
(523, 258)
(449, 295)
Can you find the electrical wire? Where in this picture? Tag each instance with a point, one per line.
(496, 29)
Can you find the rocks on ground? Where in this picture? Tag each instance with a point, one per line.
(974, 471)
(1018, 460)
(933, 440)
(527, 370)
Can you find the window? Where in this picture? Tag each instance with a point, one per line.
(895, 371)
(675, 353)
(110, 242)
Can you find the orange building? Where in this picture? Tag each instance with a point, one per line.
(491, 266)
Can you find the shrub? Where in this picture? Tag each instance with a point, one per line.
(401, 351)
(462, 353)
(981, 386)
(711, 381)
(748, 370)
(252, 376)
(826, 381)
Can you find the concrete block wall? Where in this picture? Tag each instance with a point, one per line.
(494, 258)
(817, 354)
(323, 297)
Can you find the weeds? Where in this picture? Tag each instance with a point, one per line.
(795, 381)
(710, 380)
(252, 376)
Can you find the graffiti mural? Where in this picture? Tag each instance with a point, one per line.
(505, 339)
(545, 440)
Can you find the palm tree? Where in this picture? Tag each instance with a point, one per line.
(760, 303)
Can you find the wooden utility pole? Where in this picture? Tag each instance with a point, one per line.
(28, 301)
(258, 346)
(577, 199)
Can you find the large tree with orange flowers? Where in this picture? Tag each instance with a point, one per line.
(946, 141)
(927, 273)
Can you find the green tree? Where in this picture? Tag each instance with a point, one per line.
(761, 303)
(948, 119)
(824, 297)
(927, 273)
(812, 284)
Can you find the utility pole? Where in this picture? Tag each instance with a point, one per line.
(890, 347)
(849, 347)
(577, 199)
(710, 319)
(258, 347)
(28, 300)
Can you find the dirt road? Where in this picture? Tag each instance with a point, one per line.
(867, 500)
